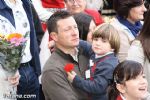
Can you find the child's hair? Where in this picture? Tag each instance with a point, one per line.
(125, 71)
(107, 31)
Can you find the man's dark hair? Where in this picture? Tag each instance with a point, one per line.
(52, 21)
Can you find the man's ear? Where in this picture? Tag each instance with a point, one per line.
(121, 88)
(54, 36)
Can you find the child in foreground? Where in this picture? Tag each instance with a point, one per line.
(129, 82)
(105, 45)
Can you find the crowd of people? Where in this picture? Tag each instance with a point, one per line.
(111, 59)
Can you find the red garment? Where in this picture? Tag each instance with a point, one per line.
(44, 26)
(53, 3)
(119, 98)
(96, 16)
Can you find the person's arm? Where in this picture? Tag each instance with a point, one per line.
(57, 87)
(37, 25)
(42, 12)
(135, 52)
(86, 47)
(97, 86)
(125, 43)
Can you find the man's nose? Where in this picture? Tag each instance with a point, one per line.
(75, 31)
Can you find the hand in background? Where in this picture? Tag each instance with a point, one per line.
(71, 76)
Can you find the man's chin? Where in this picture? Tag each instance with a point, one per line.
(76, 44)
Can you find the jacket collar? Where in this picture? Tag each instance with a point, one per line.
(64, 55)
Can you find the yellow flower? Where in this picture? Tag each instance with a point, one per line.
(13, 35)
(1, 36)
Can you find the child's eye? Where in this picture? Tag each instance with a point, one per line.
(144, 76)
(96, 39)
(104, 40)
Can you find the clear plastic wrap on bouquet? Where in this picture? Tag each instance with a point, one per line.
(10, 58)
(11, 51)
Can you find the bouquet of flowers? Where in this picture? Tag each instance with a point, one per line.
(11, 48)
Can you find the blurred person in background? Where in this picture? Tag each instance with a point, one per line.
(86, 26)
(77, 6)
(147, 5)
(95, 4)
(128, 22)
(140, 50)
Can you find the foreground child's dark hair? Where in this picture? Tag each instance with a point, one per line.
(125, 71)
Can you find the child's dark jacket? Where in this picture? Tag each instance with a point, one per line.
(101, 77)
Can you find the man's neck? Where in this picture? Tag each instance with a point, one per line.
(71, 51)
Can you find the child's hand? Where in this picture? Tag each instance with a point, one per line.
(71, 76)
(51, 45)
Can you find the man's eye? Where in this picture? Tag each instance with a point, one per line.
(67, 29)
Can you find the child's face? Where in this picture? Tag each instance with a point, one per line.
(136, 89)
(101, 46)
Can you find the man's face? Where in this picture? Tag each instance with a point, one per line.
(68, 34)
(75, 6)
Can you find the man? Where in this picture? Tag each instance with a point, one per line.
(16, 17)
(63, 30)
(78, 6)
